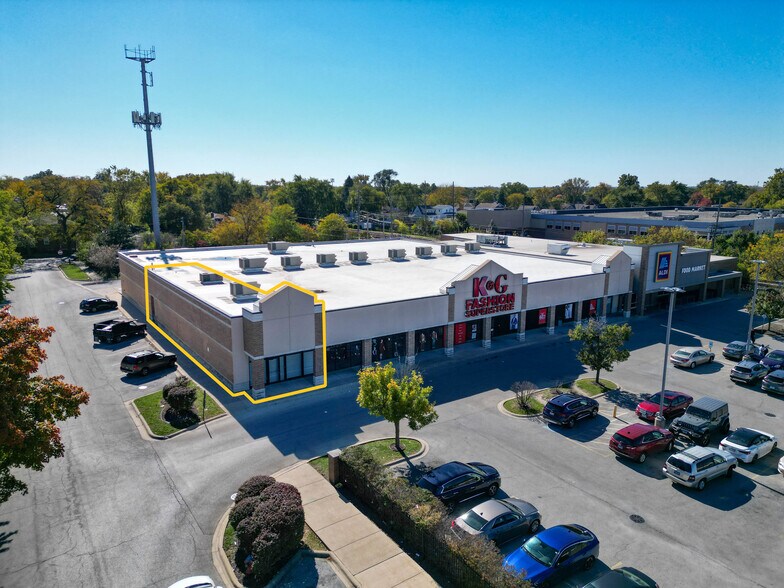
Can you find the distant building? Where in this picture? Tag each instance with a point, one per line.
(434, 213)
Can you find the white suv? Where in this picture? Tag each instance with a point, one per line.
(696, 466)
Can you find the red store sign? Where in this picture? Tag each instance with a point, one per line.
(489, 296)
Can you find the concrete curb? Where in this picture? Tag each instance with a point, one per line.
(502, 410)
(219, 559)
(148, 432)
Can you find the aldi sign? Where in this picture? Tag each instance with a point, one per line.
(663, 263)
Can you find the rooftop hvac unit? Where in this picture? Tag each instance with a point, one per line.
(208, 278)
(357, 256)
(473, 247)
(291, 261)
(278, 246)
(558, 248)
(325, 259)
(486, 239)
(449, 249)
(241, 292)
(424, 251)
(252, 265)
(397, 254)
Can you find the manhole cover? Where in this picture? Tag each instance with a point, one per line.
(636, 518)
(770, 414)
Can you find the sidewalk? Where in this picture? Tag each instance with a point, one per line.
(364, 551)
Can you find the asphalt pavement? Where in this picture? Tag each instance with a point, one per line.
(122, 510)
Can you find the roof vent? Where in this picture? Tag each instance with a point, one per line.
(290, 262)
(278, 246)
(449, 249)
(326, 259)
(473, 247)
(397, 254)
(252, 265)
(558, 248)
(209, 278)
(241, 293)
(357, 257)
(424, 251)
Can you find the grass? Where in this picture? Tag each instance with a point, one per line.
(383, 452)
(310, 539)
(321, 465)
(591, 388)
(228, 538)
(74, 272)
(512, 406)
(150, 407)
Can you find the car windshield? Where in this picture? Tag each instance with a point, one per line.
(474, 521)
(775, 379)
(554, 407)
(656, 399)
(622, 439)
(540, 551)
(678, 463)
(777, 355)
(698, 412)
(742, 437)
(131, 360)
(735, 346)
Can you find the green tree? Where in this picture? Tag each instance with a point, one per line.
(487, 195)
(281, 224)
(332, 227)
(383, 181)
(602, 344)
(770, 304)
(772, 193)
(515, 200)
(596, 236)
(32, 405)
(769, 247)
(406, 196)
(382, 393)
(103, 259)
(574, 190)
(9, 257)
(311, 198)
(683, 235)
(598, 193)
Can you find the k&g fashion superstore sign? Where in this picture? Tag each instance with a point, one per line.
(489, 296)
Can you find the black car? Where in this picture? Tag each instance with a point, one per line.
(143, 362)
(115, 330)
(567, 409)
(96, 304)
(456, 481)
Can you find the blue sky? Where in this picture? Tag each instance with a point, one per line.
(477, 93)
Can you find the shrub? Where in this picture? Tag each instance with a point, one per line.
(179, 382)
(243, 509)
(524, 393)
(253, 487)
(181, 398)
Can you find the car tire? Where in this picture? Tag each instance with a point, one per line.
(642, 457)
(692, 365)
(671, 445)
(594, 412)
(589, 562)
(710, 359)
(729, 471)
(570, 423)
(725, 428)
(701, 485)
(491, 491)
(533, 528)
(145, 371)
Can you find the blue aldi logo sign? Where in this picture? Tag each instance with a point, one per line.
(663, 262)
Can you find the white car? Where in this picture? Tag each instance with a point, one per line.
(748, 445)
(691, 357)
(781, 466)
(195, 582)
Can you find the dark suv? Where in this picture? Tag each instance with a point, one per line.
(701, 419)
(567, 409)
(456, 481)
(143, 362)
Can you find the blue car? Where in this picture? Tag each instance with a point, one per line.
(551, 555)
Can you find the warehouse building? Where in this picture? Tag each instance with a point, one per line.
(259, 316)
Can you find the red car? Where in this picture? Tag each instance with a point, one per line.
(638, 440)
(675, 404)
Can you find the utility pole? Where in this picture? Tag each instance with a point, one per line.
(147, 120)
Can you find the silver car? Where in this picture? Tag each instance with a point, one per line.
(748, 372)
(696, 466)
(774, 382)
(691, 357)
(500, 519)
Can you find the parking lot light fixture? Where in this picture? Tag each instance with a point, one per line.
(660, 421)
(758, 263)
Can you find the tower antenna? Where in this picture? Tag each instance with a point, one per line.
(147, 120)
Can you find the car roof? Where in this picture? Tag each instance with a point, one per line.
(562, 536)
(777, 373)
(737, 344)
(563, 399)
(490, 509)
(448, 471)
(745, 435)
(772, 351)
(708, 403)
(141, 353)
(748, 363)
(636, 430)
(689, 349)
(696, 452)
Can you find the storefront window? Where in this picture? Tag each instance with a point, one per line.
(343, 356)
(469, 331)
(536, 318)
(388, 347)
(289, 367)
(429, 339)
(505, 324)
(564, 313)
(591, 308)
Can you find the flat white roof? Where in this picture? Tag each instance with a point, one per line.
(379, 281)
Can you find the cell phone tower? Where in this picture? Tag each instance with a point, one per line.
(148, 121)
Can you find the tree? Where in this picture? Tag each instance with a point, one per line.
(103, 259)
(406, 196)
(32, 405)
(384, 394)
(515, 200)
(597, 194)
(281, 224)
(332, 227)
(311, 198)
(770, 304)
(596, 236)
(602, 344)
(772, 193)
(574, 189)
(683, 235)
(384, 180)
(9, 257)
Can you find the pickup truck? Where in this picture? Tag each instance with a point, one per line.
(116, 330)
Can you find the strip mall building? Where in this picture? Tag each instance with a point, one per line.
(370, 301)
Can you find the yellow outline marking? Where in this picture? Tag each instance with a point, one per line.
(233, 279)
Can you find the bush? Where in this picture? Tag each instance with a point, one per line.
(180, 395)
(524, 393)
(243, 509)
(179, 382)
(103, 259)
(254, 486)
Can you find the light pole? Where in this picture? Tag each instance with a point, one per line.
(758, 262)
(660, 421)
